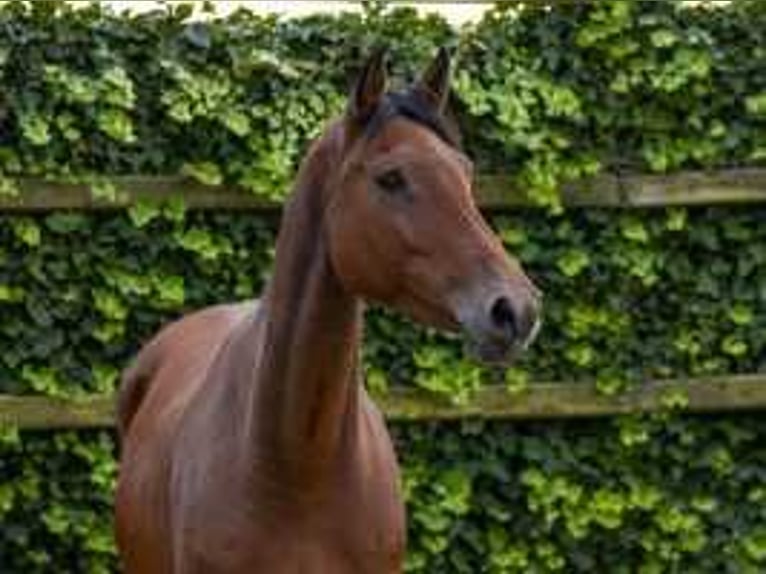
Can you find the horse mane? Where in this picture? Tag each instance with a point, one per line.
(409, 104)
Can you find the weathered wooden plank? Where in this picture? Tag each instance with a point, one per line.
(539, 401)
(495, 192)
(746, 185)
(48, 413)
(42, 195)
(500, 191)
(567, 400)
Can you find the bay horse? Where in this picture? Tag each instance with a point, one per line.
(249, 444)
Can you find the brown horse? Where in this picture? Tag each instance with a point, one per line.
(249, 443)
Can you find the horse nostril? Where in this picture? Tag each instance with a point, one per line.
(503, 316)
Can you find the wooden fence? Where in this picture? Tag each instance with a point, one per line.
(736, 186)
(538, 401)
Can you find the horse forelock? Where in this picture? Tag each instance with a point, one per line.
(330, 150)
(409, 105)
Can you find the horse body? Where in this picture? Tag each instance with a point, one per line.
(249, 445)
(226, 502)
(235, 466)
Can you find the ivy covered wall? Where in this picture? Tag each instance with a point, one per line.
(547, 95)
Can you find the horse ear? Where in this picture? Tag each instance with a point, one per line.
(433, 85)
(370, 87)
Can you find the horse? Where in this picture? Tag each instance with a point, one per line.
(248, 442)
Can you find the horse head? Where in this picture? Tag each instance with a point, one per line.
(402, 224)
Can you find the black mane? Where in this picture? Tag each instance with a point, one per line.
(411, 105)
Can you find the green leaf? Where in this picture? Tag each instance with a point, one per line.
(756, 105)
(573, 262)
(754, 544)
(143, 212)
(676, 219)
(674, 399)
(10, 294)
(117, 89)
(734, 346)
(741, 314)
(634, 230)
(103, 190)
(581, 354)
(66, 223)
(35, 129)
(170, 290)
(663, 38)
(237, 122)
(377, 382)
(205, 172)
(109, 305)
(27, 231)
(8, 187)
(516, 380)
(117, 125)
(174, 209)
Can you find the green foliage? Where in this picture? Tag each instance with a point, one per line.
(574, 497)
(80, 292)
(613, 86)
(548, 94)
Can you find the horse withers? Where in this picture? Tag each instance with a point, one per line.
(249, 444)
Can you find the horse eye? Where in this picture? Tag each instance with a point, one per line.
(391, 181)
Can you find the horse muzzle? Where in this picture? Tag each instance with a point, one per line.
(500, 323)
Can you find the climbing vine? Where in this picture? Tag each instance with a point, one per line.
(548, 94)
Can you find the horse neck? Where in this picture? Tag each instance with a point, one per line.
(307, 392)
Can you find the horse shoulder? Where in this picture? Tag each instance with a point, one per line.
(181, 347)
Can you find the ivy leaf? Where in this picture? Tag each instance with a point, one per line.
(170, 290)
(102, 189)
(27, 231)
(143, 212)
(35, 129)
(734, 346)
(110, 305)
(634, 230)
(573, 262)
(756, 105)
(676, 219)
(8, 187)
(674, 399)
(237, 122)
(117, 125)
(581, 354)
(663, 38)
(9, 294)
(65, 223)
(609, 384)
(754, 544)
(117, 90)
(377, 382)
(516, 380)
(268, 60)
(204, 172)
(174, 209)
(741, 314)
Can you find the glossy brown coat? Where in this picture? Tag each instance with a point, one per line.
(249, 444)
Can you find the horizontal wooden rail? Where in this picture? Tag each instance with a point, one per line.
(538, 401)
(495, 191)
(573, 400)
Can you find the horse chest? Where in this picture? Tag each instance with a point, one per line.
(341, 535)
(353, 525)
